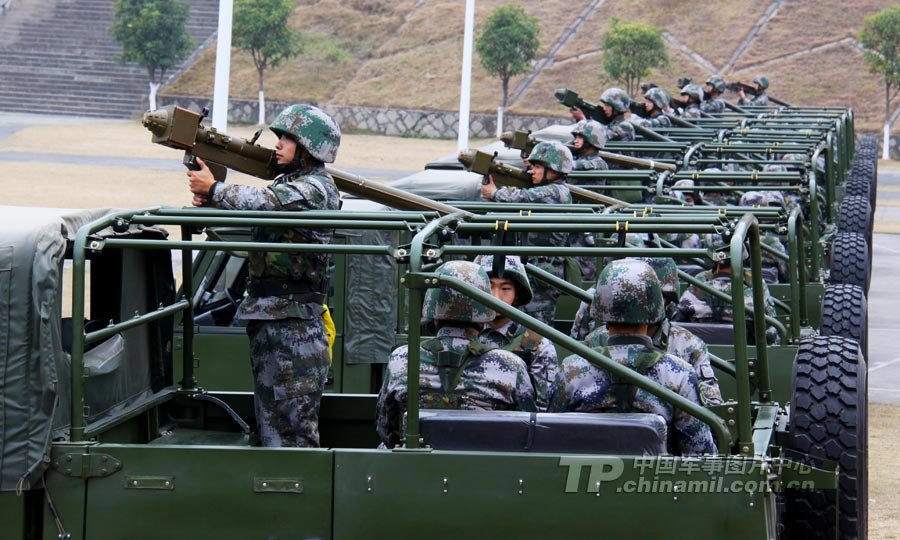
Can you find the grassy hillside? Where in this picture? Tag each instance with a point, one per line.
(407, 53)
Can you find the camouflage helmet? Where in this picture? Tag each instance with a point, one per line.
(513, 269)
(312, 128)
(685, 187)
(667, 273)
(693, 91)
(717, 83)
(446, 304)
(628, 292)
(658, 97)
(554, 155)
(755, 198)
(616, 98)
(762, 81)
(593, 132)
(716, 242)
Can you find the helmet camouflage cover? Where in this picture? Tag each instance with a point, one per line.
(628, 292)
(667, 273)
(762, 81)
(446, 304)
(716, 83)
(313, 129)
(513, 269)
(616, 98)
(593, 132)
(693, 90)
(658, 97)
(554, 155)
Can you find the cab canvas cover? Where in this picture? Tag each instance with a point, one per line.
(34, 365)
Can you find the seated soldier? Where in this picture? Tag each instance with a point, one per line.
(760, 98)
(765, 199)
(457, 371)
(589, 139)
(719, 198)
(693, 97)
(615, 102)
(656, 101)
(628, 299)
(697, 305)
(538, 352)
(713, 103)
(550, 163)
(675, 340)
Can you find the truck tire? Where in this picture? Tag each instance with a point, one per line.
(855, 215)
(850, 260)
(829, 420)
(844, 313)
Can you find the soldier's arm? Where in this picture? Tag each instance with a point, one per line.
(303, 194)
(531, 195)
(391, 403)
(581, 326)
(694, 436)
(542, 370)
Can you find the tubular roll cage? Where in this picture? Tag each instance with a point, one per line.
(423, 257)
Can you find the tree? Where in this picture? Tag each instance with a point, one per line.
(507, 44)
(152, 34)
(631, 50)
(261, 28)
(881, 38)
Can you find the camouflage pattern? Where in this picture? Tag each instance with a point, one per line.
(512, 269)
(536, 351)
(765, 199)
(554, 155)
(696, 305)
(313, 129)
(616, 98)
(289, 359)
(716, 82)
(582, 387)
(589, 162)
(667, 273)
(301, 190)
(658, 97)
(682, 344)
(683, 188)
(620, 129)
(543, 305)
(457, 371)
(657, 121)
(762, 81)
(713, 105)
(628, 291)
(693, 110)
(593, 132)
(694, 91)
(446, 304)
(583, 324)
(759, 100)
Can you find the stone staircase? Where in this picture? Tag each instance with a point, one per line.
(58, 57)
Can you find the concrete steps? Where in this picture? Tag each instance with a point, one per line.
(65, 61)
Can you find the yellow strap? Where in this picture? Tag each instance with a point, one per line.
(497, 225)
(617, 226)
(330, 331)
(695, 176)
(506, 225)
(626, 226)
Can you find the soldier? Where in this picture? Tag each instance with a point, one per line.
(538, 352)
(675, 340)
(693, 97)
(614, 102)
(697, 305)
(629, 299)
(656, 101)
(456, 370)
(550, 163)
(713, 103)
(589, 139)
(287, 318)
(760, 99)
(764, 199)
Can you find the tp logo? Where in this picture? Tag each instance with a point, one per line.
(599, 470)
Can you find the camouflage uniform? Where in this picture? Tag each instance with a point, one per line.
(557, 157)
(657, 121)
(457, 370)
(618, 128)
(289, 351)
(536, 351)
(594, 135)
(714, 105)
(697, 305)
(692, 110)
(760, 99)
(628, 292)
(766, 199)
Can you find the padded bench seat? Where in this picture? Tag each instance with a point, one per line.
(628, 434)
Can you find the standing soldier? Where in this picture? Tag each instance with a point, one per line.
(511, 285)
(589, 139)
(456, 370)
(628, 299)
(693, 97)
(760, 99)
(656, 101)
(713, 103)
(614, 102)
(550, 163)
(287, 318)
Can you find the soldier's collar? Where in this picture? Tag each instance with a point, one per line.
(466, 332)
(630, 339)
